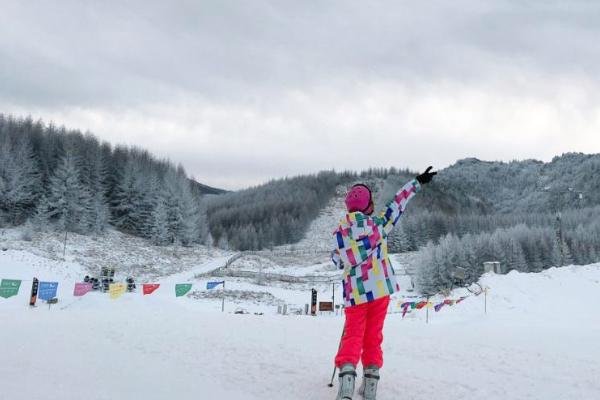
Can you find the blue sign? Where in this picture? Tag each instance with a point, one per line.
(212, 285)
(47, 290)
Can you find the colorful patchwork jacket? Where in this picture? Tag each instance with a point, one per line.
(360, 249)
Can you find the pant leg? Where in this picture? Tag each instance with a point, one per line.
(372, 353)
(352, 340)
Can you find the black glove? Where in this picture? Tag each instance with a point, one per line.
(426, 176)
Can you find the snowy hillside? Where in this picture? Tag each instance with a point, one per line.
(130, 255)
(538, 339)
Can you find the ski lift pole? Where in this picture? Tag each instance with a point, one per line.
(223, 300)
(427, 311)
(485, 301)
(333, 294)
(65, 245)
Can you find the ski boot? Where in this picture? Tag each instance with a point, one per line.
(347, 378)
(368, 388)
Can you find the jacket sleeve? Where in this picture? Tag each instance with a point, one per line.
(394, 209)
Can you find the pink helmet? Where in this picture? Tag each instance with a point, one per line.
(359, 199)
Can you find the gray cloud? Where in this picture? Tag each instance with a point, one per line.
(241, 92)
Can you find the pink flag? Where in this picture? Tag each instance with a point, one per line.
(81, 288)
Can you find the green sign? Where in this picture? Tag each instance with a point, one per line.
(9, 288)
(182, 288)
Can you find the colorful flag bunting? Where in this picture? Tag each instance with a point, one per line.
(116, 290)
(149, 288)
(81, 288)
(47, 290)
(181, 289)
(428, 304)
(9, 287)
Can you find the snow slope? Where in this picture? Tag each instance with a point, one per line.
(538, 340)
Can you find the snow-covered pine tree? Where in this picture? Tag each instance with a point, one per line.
(175, 212)
(69, 200)
(19, 180)
(129, 211)
(40, 217)
(100, 213)
(160, 231)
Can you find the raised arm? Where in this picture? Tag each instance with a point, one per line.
(389, 217)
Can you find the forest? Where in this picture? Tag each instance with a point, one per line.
(69, 181)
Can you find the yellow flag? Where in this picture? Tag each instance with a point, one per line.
(430, 305)
(116, 290)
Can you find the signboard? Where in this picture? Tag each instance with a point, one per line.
(326, 306)
(313, 302)
(47, 290)
(9, 287)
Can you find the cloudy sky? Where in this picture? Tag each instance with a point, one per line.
(240, 92)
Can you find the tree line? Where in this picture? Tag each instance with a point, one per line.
(524, 248)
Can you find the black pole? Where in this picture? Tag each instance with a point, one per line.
(333, 296)
(335, 367)
(65, 245)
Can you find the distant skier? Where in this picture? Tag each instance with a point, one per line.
(368, 281)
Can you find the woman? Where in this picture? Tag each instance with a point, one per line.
(368, 281)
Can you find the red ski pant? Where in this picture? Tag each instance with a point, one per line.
(363, 334)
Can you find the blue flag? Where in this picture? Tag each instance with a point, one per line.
(212, 285)
(47, 290)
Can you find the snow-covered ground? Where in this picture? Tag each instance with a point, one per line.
(538, 340)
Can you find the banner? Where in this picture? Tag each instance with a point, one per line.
(81, 288)
(47, 290)
(405, 306)
(148, 288)
(116, 290)
(9, 287)
(421, 304)
(34, 292)
(212, 285)
(405, 309)
(181, 289)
